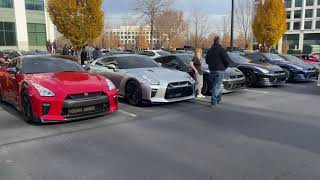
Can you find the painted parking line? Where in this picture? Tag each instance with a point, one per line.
(256, 91)
(297, 85)
(127, 113)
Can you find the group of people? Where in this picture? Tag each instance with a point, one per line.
(88, 53)
(217, 60)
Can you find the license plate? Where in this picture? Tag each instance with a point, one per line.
(82, 110)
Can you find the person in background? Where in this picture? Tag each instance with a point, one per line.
(65, 50)
(97, 53)
(217, 60)
(198, 72)
(84, 56)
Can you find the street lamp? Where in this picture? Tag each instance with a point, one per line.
(232, 25)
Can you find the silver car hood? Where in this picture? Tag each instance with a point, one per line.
(160, 74)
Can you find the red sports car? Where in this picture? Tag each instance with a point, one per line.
(54, 88)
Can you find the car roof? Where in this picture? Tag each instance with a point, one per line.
(23, 58)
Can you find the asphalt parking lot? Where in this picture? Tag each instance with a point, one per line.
(261, 133)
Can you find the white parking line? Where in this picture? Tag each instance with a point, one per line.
(251, 90)
(127, 113)
(296, 85)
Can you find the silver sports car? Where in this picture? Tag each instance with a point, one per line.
(140, 79)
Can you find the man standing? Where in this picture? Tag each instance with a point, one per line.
(217, 59)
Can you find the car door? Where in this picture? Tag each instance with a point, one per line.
(116, 75)
(11, 83)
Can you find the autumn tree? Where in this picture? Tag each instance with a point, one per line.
(209, 40)
(240, 41)
(141, 40)
(198, 27)
(244, 14)
(170, 24)
(269, 23)
(149, 10)
(80, 21)
(225, 35)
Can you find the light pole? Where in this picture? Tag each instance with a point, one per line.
(232, 25)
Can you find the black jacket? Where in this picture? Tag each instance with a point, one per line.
(217, 58)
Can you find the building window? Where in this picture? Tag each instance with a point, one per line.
(36, 5)
(7, 34)
(37, 34)
(288, 3)
(309, 13)
(288, 26)
(296, 25)
(309, 2)
(6, 4)
(318, 25)
(297, 14)
(308, 25)
(288, 14)
(318, 12)
(298, 3)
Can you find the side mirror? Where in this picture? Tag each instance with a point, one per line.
(86, 67)
(112, 66)
(12, 71)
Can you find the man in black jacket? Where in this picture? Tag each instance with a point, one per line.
(217, 59)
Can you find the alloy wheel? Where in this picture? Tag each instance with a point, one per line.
(134, 93)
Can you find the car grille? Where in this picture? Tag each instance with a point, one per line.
(278, 79)
(77, 105)
(90, 95)
(236, 77)
(179, 89)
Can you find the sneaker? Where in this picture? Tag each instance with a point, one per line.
(201, 96)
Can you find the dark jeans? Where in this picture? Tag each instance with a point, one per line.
(217, 77)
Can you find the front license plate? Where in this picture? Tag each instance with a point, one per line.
(82, 110)
(89, 109)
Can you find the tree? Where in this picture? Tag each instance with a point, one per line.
(80, 21)
(169, 30)
(209, 40)
(141, 40)
(244, 14)
(240, 41)
(150, 9)
(226, 37)
(269, 23)
(198, 27)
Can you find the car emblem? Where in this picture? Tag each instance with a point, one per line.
(86, 94)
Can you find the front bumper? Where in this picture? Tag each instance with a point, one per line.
(304, 76)
(165, 93)
(65, 109)
(271, 80)
(233, 85)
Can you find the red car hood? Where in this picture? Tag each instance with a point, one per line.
(69, 82)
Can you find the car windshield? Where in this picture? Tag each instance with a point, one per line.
(35, 52)
(37, 65)
(134, 62)
(163, 53)
(291, 58)
(238, 59)
(186, 58)
(273, 57)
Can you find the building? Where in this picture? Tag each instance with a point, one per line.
(128, 34)
(24, 25)
(303, 25)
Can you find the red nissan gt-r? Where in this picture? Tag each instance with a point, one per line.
(55, 89)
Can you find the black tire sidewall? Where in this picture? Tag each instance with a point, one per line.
(31, 118)
(253, 81)
(139, 102)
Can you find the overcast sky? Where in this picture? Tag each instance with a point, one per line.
(215, 9)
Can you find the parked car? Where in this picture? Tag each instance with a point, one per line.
(315, 62)
(234, 78)
(258, 74)
(294, 71)
(55, 89)
(35, 52)
(294, 59)
(154, 53)
(140, 79)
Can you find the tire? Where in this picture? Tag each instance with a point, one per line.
(27, 108)
(288, 74)
(133, 93)
(251, 78)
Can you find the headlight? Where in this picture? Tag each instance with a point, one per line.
(111, 86)
(150, 80)
(296, 67)
(264, 71)
(44, 92)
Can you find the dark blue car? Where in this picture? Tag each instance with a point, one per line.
(294, 71)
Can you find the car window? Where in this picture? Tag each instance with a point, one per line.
(35, 65)
(104, 61)
(134, 62)
(170, 62)
(163, 53)
(186, 58)
(273, 57)
(237, 58)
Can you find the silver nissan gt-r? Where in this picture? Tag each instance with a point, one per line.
(140, 79)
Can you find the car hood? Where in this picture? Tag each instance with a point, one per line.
(269, 67)
(68, 82)
(230, 71)
(160, 74)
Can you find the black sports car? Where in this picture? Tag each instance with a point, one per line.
(258, 74)
(233, 80)
(294, 71)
